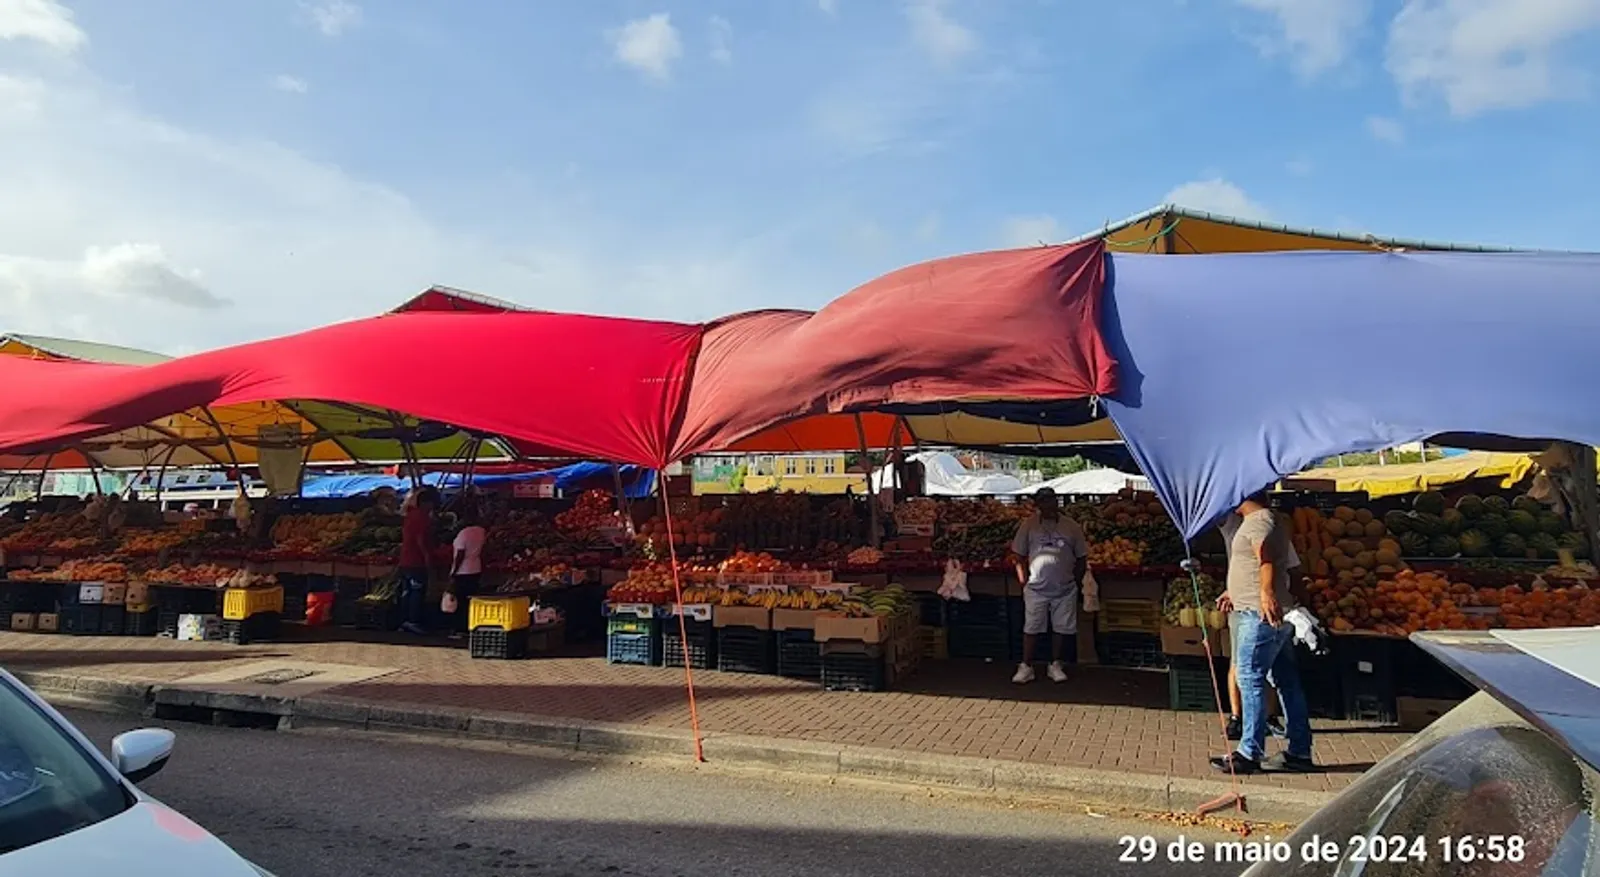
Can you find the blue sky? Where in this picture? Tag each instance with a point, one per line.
(187, 173)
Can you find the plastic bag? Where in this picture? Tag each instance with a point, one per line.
(954, 586)
(1091, 592)
(449, 604)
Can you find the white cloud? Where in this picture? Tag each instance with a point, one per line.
(721, 40)
(1217, 195)
(650, 45)
(829, 7)
(1483, 55)
(333, 17)
(1030, 231)
(291, 84)
(42, 21)
(936, 33)
(1386, 130)
(1316, 34)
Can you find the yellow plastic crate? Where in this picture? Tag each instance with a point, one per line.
(1131, 615)
(506, 613)
(239, 604)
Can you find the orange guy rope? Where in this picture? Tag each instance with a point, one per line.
(683, 626)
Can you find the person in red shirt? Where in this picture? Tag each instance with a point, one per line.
(416, 557)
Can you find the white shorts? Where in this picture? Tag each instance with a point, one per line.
(1041, 614)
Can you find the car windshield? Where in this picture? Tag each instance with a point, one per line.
(1479, 792)
(49, 785)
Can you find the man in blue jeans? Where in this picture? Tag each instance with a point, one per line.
(416, 558)
(1263, 644)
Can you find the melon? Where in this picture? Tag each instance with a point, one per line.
(1526, 503)
(1345, 513)
(1493, 525)
(1414, 544)
(1397, 521)
(1552, 523)
(1475, 544)
(1453, 520)
(1496, 504)
(1341, 563)
(1575, 543)
(1544, 545)
(1389, 545)
(1511, 545)
(1430, 501)
(1470, 506)
(1366, 559)
(1444, 546)
(1351, 547)
(1390, 557)
(1331, 552)
(1334, 526)
(1428, 524)
(1522, 522)
(1376, 529)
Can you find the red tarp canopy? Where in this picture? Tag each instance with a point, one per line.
(1012, 325)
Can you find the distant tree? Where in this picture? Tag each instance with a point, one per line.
(1054, 467)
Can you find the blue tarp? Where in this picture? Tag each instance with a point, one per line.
(1236, 370)
(637, 482)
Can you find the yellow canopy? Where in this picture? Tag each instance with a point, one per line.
(1177, 230)
(1402, 478)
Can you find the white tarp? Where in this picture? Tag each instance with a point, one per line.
(943, 475)
(1093, 482)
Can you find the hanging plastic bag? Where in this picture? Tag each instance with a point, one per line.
(448, 604)
(954, 586)
(1091, 592)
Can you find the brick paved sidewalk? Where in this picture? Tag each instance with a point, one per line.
(1105, 719)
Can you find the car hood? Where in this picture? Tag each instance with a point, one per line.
(149, 838)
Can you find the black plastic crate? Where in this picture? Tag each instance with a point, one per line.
(799, 655)
(113, 620)
(347, 594)
(24, 596)
(930, 609)
(854, 671)
(702, 644)
(498, 643)
(294, 598)
(1190, 686)
(993, 643)
(1319, 679)
(1366, 666)
(1128, 649)
(983, 610)
(80, 619)
(167, 623)
(634, 648)
(260, 627)
(186, 601)
(140, 623)
(376, 616)
(1419, 674)
(746, 650)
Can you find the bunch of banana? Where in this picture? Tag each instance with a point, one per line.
(385, 591)
(807, 599)
(703, 595)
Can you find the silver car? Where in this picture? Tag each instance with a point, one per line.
(66, 810)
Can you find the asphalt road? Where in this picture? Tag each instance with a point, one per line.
(312, 805)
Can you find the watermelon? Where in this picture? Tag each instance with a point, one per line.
(1496, 504)
(1431, 501)
(1413, 544)
(1444, 546)
(1470, 506)
(1512, 545)
(1475, 544)
(1493, 525)
(1545, 544)
(1398, 522)
(1552, 523)
(1527, 504)
(1428, 524)
(1453, 520)
(1522, 523)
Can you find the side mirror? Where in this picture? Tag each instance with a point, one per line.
(139, 755)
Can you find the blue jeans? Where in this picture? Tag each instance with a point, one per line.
(1263, 653)
(413, 595)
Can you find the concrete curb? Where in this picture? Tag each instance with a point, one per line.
(1008, 779)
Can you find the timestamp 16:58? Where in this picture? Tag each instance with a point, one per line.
(1493, 848)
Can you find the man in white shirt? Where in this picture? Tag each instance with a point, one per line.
(1052, 556)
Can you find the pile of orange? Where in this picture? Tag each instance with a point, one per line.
(1575, 606)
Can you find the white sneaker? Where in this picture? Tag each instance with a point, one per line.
(1024, 674)
(1056, 672)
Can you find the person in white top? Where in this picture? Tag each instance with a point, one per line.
(466, 566)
